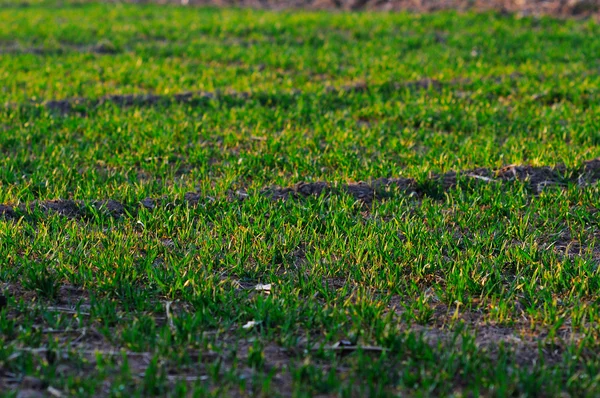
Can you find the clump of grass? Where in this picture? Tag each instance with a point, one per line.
(39, 278)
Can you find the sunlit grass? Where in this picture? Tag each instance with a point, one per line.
(486, 286)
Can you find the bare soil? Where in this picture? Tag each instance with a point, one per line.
(79, 105)
(538, 178)
(82, 105)
(560, 8)
(76, 348)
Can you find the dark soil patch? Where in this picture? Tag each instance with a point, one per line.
(64, 207)
(103, 48)
(192, 198)
(538, 178)
(527, 345)
(67, 208)
(111, 206)
(363, 191)
(75, 348)
(79, 105)
(6, 211)
(82, 105)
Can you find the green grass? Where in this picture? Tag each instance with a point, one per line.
(483, 285)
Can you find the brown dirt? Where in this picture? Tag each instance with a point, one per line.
(79, 105)
(66, 207)
(79, 345)
(538, 178)
(7, 211)
(560, 8)
(518, 337)
(82, 105)
(16, 48)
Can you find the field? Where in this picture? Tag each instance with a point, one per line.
(228, 202)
